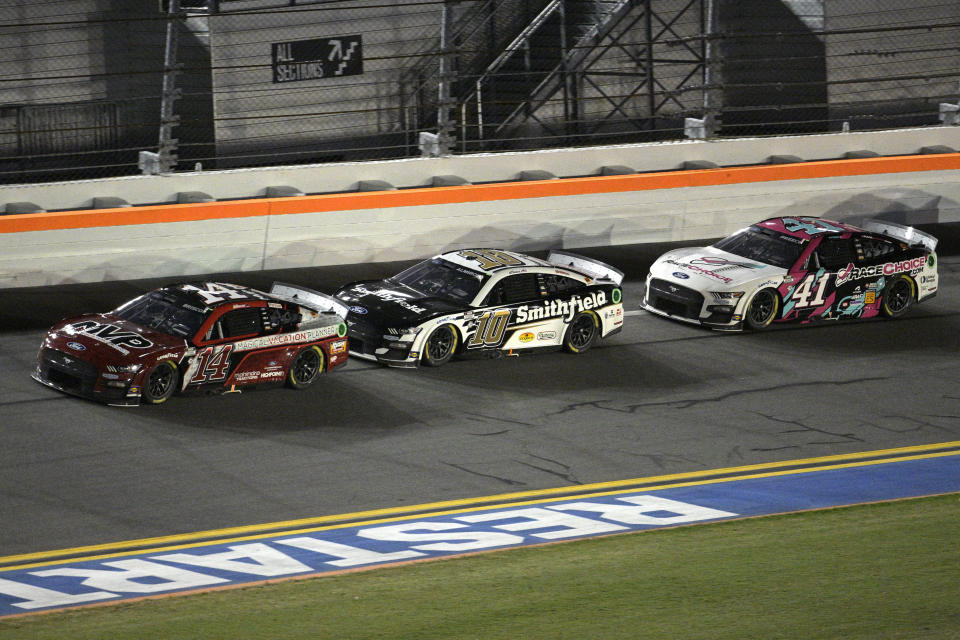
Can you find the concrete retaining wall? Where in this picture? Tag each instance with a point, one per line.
(478, 168)
(347, 228)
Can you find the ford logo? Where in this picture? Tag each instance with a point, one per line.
(681, 276)
(76, 346)
(358, 310)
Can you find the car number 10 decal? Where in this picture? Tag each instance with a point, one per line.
(491, 258)
(490, 329)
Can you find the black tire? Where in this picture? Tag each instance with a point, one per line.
(898, 296)
(582, 332)
(306, 367)
(440, 345)
(763, 309)
(160, 383)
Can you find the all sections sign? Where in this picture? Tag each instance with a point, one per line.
(317, 58)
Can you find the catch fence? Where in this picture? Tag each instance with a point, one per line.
(95, 88)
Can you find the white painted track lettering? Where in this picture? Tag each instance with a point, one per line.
(124, 578)
(38, 597)
(644, 507)
(256, 559)
(570, 526)
(349, 556)
(411, 532)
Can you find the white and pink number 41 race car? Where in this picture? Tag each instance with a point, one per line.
(795, 269)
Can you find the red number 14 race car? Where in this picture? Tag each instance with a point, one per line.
(203, 334)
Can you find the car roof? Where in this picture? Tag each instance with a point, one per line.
(213, 294)
(807, 227)
(496, 259)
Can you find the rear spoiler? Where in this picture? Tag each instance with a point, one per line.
(309, 298)
(901, 232)
(587, 266)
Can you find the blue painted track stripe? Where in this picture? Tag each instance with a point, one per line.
(695, 477)
(332, 548)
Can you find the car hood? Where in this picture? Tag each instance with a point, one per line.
(109, 339)
(389, 304)
(710, 269)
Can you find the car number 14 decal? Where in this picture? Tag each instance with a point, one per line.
(213, 363)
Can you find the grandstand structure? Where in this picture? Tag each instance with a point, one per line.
(101, 88)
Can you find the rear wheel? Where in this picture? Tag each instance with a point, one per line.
(897, 296)
(763, 309)
(306, 368)
(440, 346)
(582, 332)
(160, 383)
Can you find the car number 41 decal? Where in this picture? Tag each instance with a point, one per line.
(811, 291)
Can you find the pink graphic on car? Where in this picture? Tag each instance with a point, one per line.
(806, 228)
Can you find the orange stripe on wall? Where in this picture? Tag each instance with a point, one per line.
(132, 215)
(155, 214)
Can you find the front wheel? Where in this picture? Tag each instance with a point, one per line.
(582, 332)
(306, 368)
(763, 309)
(898, 296)
(440, 346)
(160, 383)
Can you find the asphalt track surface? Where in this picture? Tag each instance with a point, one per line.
(659, 398)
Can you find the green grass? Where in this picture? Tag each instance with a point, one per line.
(880, 571)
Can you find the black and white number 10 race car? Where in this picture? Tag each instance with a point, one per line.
(483, 299)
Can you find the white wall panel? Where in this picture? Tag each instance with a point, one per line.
(406, 233)
(411, 172)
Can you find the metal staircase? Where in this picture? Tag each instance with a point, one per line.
(468, 44)
(514, 74)
(533, 67)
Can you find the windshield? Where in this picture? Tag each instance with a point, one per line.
(762, 245)
(437, 277)
(164, 313)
